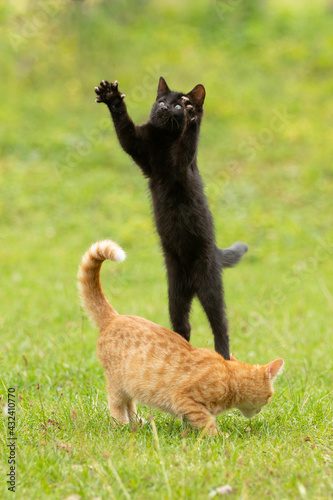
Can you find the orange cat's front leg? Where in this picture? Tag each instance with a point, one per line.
(198, 415)
(118, 408)
(202, 420)
(131, 410)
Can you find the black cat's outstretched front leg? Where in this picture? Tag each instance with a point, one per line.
(130, 136)
(188, 143)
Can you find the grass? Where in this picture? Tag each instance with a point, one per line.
(265, 156)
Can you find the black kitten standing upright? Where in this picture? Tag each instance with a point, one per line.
(165, 148)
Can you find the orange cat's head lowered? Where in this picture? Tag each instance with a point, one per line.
(257, 387)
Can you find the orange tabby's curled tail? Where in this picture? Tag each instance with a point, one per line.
(92, 296)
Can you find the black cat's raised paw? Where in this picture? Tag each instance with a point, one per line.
(191, 114)
(189, 109)
(108, 93)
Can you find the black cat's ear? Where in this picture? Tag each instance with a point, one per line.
(162, 87)
(197, 95)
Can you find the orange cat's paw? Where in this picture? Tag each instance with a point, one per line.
(212, 431)
(108, 93)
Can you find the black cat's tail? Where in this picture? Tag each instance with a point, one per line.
(230, 256)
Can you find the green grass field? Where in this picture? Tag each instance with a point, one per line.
(266, 158)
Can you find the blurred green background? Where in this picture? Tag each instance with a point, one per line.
(265, 156)
(265, 151)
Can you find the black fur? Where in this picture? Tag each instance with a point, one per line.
(165, 148)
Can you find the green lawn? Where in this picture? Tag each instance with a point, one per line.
(266, 158)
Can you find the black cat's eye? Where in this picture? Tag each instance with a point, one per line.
(161, 103)
(178, 106)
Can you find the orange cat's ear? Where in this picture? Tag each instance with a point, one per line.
(162, 87)
(232, 357)
(274, 368)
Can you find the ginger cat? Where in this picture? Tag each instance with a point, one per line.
(148, 363)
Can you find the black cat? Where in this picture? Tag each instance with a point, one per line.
(165, 148)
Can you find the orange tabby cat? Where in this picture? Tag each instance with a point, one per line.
(148, 363)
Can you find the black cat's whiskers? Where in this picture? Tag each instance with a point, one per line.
(173, 120)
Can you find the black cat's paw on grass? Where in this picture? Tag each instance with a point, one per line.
(109, 93)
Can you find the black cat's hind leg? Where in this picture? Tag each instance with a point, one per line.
(180, 300)
(179, 309)
(210, 294)
(230, 256)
